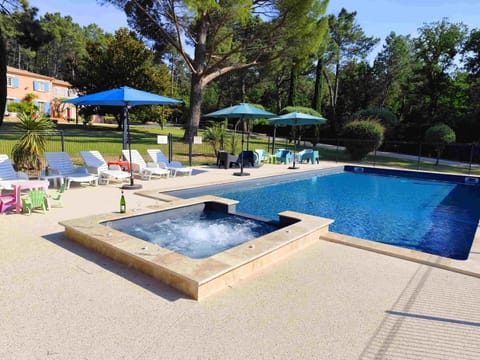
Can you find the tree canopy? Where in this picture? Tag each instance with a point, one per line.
(278, 53)
(217, 37)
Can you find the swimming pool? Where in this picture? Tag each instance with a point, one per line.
(435, 217)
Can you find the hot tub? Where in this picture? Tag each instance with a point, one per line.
(200, 274)
(197, 230)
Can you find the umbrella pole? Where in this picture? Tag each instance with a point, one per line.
(126, 126)
(294, 155)
(273, 140)
(241, 173)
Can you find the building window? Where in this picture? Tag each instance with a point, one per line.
(43, 106)
(12, 81)
(40, 85)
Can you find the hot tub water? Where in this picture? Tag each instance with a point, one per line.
(196, 233)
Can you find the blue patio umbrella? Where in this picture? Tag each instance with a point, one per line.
(125, 97)
(242, 111)
(297, 119)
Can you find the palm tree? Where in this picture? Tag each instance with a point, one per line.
(29, 149)
(215, 135)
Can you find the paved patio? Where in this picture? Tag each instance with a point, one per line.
(59, 300)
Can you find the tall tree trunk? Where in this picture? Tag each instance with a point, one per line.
(3, 77)
(332, 114)
(317, 94)
(197, 83)
(278, 93)
(244, 87)
(196, 98)
(292, 91)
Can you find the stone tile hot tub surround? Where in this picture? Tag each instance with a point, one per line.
(197, 278)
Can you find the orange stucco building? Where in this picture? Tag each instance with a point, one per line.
(49, 92)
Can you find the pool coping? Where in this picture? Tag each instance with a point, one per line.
(470, 266)
(197, 278)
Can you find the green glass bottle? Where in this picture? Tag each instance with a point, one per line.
(123, 205)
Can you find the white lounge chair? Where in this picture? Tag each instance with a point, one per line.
(145, 170)
(8, 175)
(63, 165)
(7, 172)
(261, 156)
(175, 167)
(96, 165)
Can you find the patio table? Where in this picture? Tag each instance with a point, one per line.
(54, 177)
(124, 165)
(18, 185)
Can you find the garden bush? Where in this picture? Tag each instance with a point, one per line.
(387, 118)
(440, 135)
(362, 137)
(215, 135)
(30, 147)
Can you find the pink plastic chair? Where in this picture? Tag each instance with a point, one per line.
(6, 202)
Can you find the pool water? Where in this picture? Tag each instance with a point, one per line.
(435, 217)
(196, 233)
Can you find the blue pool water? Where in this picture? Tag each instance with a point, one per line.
(435, 217)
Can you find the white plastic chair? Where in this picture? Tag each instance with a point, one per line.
(145, 170)
(8, 175)
(175, 167)
(7, 172)
(96, 165)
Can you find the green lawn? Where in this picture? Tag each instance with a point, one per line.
(108, 140)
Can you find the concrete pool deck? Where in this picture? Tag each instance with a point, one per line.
(59, 300)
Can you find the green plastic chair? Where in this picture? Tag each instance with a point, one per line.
(35, 199)
(56, 197)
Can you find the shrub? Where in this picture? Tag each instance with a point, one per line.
(362, 137)
(108, 119)
(13, 107)
(387, 118)
(28, 150)
(215, 135)
(440, 135)
(301, 109)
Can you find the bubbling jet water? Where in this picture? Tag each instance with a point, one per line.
(199, 236)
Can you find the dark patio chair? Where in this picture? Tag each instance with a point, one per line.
(226, 160)
(248, 158)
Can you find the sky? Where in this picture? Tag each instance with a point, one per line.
(376, 17)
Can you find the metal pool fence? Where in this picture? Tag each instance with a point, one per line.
(456, 157)
(109, 144)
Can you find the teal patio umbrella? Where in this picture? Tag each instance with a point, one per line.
(243, 112)
(125, 97)
(297, 119)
